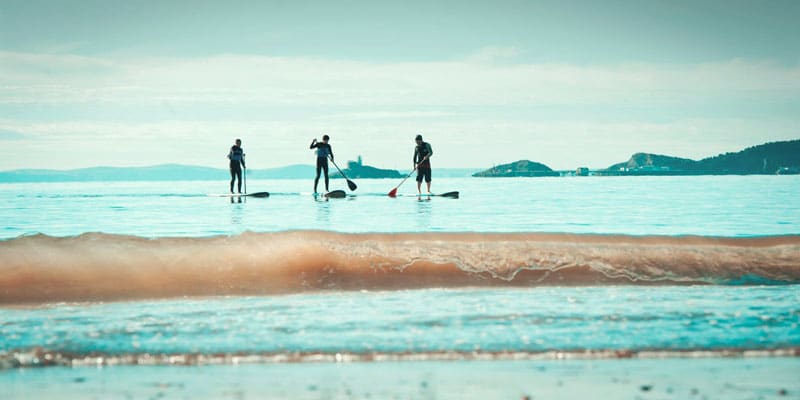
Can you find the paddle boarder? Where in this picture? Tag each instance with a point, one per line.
(422, 157)
(323, 151)
(236, 155)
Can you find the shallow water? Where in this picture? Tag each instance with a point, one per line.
(696, 205)
(422, 322)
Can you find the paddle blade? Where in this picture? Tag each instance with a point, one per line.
(452, 195)
(351, 185)
(393, 193)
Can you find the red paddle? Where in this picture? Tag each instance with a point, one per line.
(393, 192)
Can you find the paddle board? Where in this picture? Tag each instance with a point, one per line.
(452, 195)
(256, 194)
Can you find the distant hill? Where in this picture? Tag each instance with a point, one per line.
(767, 158)
(647, 161)
(165, 172)
(763, 159)
(357, 169)
(176, 172)
(519, 168)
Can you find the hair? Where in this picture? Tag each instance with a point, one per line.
(419, 137)
(238, 140)
(325, 137)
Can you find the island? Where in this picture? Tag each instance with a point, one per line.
(765, 159)
(782, 158)
(519, 168)
(357, 169)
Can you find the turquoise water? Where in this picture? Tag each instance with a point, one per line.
(702, 205)
(535, 320)
(577, 318)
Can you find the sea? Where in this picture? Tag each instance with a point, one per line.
(679, 287)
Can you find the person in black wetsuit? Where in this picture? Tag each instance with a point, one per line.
(236, 155)
(323, 151)
(422, 162)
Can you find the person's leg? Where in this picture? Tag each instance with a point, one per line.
(325, 168)
(316, 180)
(233, 178)
(428, 179)
(239, 177)
(419, 181)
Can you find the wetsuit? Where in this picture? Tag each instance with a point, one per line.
(323, 151)
(424, 168)
(236, 156)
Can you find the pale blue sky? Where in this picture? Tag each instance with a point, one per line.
(567, 83)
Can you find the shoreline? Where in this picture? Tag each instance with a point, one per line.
(724, 378)
(41, 358)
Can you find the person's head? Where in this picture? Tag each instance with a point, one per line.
(238, 142)
(418, 139)
(325, 138)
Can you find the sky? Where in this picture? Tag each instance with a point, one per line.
(565, 83)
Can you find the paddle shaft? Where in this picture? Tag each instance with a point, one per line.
(350, 183)
(393, 192)
(406, 178)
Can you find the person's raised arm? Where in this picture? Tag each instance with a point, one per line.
(313, 143)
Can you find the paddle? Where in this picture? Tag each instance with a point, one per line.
(245, 180)
(352, 185)
(393, 192)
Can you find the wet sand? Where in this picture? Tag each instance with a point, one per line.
(676, 378)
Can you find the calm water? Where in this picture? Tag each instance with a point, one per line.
(717, 206)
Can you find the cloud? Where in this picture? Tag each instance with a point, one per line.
(483, 110)
(464, 141)
(302, 81)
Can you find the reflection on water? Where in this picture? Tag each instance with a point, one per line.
(323, 211)
(237, 211)
(423, 215)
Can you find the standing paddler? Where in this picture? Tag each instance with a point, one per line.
(236, 155)
(323, 151)
(422, 163)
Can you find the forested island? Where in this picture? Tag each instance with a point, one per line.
(766, 159)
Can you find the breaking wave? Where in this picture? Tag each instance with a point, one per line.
(103, 267)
